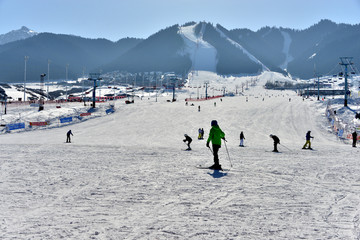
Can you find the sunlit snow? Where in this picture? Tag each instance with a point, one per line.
(126, 175)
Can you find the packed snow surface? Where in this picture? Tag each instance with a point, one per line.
(202, 54)
(286, 49)
(127, 176)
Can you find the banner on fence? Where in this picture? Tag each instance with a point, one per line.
(91, 110)
(341, 132)
(85, 114)
(34, 105)
(110, 110)
(15, 126)
(65, 120)
(38, 123)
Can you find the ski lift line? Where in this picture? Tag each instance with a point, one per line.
(332, 70)
(354, 68)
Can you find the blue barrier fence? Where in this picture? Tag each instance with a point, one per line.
(110, 110)
(65, 120)
(29, 125)
(15, 126)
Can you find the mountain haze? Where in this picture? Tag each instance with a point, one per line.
(182, 48)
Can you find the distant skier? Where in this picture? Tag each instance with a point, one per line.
(201, 133)
(199, 108)
(68, 140)
(308, 142)
(354, 136)
(188, 140)
(242, 139)
(215, 136)
(199, 136)
(276, 142)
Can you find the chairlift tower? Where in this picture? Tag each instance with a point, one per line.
(48, 79)
(41, 99)
(26, 58)
(206, 87)
(174, 85)
(346, 61)
(94, 77)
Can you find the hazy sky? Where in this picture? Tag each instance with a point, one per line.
(116, 19)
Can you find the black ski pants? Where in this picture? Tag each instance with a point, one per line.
(215, 152)
(275, 146)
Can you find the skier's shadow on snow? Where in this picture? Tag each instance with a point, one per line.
(217, 174)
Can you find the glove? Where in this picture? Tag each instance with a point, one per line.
(184, 140)
(208, 144)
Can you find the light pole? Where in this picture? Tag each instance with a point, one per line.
(41, 100)
(66, 78)
(174, 82)
(156, 91)
(26, 58)
(318, 87)
(48, 74)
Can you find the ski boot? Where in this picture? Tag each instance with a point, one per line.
(216, 167)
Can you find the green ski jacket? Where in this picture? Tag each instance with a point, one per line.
(216, 135)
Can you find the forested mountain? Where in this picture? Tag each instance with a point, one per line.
(76, 53)
(180, 48)
(159, 52)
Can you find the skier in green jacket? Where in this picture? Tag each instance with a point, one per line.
(215, 136)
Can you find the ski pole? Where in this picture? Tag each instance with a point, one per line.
(228, 153)
(211, 150)
(286, 147)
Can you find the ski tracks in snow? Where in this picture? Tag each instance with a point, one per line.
(135, 182)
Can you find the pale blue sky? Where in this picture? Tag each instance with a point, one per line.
(116, 19)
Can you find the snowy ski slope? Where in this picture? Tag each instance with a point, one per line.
(202, 54)
(127, 176)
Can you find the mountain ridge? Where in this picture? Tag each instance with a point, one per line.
(16, 35)
(236, 51)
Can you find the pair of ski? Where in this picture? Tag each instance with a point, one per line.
(209, 168)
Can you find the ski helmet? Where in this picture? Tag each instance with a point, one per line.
(214, 123)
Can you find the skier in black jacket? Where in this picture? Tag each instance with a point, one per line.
(188, 140)
(242, 139)
(354, 136)
(68, 140)
(276, 142)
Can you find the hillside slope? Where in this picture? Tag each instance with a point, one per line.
(126, 176)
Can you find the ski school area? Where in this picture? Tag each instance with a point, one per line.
(125, 175)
